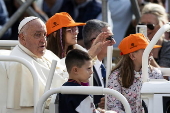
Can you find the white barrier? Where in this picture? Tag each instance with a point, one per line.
(32, 70)
(86, 90)
(148, 49)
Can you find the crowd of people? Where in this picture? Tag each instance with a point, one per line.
(80, 57)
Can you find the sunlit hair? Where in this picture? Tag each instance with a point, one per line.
(76, 58)
(54, 43)
(126, 67)
(91, 30)
(156, 9)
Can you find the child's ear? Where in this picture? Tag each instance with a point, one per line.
(75, 69)
(132, 56)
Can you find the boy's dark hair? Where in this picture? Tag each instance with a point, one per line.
(77, 58)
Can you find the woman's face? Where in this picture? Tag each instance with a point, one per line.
(150, 19)
(71, 36)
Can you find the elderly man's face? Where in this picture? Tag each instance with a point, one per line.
(34, 37)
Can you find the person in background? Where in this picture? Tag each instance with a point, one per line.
(121, 18)
(3, 20)
(79, 10)
(155, 16)
(79, 66)
(13, 6)
(126, 75)
(32, 47)
(90, 32)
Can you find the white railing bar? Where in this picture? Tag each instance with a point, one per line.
(108, 66)
(9, 42)
(51, 74)
(148, 49)
(32, 70)
(82, 90)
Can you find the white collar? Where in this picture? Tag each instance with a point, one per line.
(138, 74)
(97, 64)
(27, 51)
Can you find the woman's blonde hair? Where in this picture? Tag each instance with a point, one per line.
(156, 9)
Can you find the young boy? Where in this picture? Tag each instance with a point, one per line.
(79, 67)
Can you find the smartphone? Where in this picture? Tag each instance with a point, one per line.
(141, 29)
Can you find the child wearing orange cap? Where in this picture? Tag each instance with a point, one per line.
(62, 34)
(126, 75)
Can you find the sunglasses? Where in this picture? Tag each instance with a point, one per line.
(108, 38)
(149, 26)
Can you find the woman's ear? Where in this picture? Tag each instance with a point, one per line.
(132, 56)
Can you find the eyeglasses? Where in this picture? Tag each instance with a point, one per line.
(73, 29)
(108, 38)
(149, 26)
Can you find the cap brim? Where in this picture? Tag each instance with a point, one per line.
(76, 24)
(157, 46)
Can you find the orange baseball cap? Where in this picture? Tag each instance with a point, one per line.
(133, 43)
(60, 20)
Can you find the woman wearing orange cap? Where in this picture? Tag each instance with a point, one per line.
(62, 34)
(126, 75)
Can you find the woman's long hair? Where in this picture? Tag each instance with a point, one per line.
(56, 45)
(126, 67)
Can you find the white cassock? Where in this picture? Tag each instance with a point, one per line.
(20, 81)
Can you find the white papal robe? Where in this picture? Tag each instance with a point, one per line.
(20, 81)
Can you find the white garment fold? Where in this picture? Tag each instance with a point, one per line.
(20, 81)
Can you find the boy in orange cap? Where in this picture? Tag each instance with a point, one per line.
(126, 75)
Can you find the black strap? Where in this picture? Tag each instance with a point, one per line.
(144, 106)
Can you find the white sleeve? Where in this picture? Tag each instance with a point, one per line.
(86, 106)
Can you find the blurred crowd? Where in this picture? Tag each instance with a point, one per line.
(120, 14)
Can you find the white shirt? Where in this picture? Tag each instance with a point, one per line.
(98, 69)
